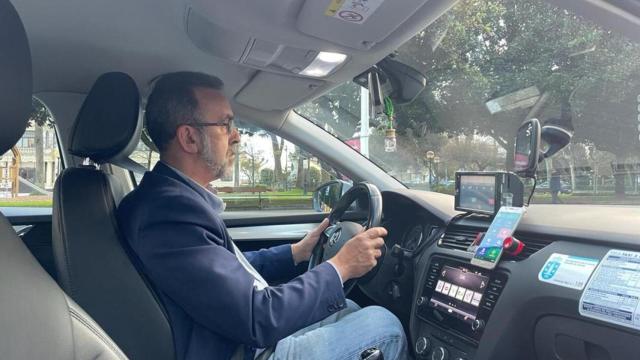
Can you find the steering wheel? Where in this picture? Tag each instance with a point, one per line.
(339, 232)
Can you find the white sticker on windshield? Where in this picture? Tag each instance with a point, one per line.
(567, 270)
(353, 11)
(613, 293)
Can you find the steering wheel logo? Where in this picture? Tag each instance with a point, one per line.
(334, 237)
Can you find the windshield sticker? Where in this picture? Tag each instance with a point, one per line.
(568, 271)
(353, 11)
(613, 293)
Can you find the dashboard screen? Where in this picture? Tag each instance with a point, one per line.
(477, 192)
(458, 292)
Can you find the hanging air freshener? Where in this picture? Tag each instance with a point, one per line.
(389, 132)
(390, 140)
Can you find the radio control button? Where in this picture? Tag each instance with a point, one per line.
(440, 353)
(488, 304)
(423, 345)
(491, 296)
(421, 301)
(477, 325)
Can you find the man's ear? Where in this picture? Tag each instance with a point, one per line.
(188, 139)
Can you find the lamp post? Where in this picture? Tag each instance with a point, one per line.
(429, 156)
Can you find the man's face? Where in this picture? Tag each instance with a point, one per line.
(217, 146)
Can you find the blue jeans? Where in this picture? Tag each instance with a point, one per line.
(346, 334)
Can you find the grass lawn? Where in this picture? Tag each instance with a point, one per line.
(291, 194)
(25, 203)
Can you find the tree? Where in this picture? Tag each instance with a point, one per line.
(40, 117)
(251, 162)
(471, 154)
(266, 176)
(587, 77)
(489, 49)
(277, 145)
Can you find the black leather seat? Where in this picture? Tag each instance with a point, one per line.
(92, 262)
(37, 319)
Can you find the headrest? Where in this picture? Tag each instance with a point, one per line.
(107, 128)
(16, 84)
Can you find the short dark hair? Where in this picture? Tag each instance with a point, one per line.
(173, 102)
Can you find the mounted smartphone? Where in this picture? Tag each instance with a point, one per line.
(503, 225)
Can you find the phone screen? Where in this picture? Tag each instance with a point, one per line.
(503, 225)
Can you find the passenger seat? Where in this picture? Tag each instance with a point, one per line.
(37, 319)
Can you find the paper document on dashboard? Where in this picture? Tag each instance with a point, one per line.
(613, 293)
(567, 270)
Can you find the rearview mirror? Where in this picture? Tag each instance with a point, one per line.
(400, 82)
(326, 196)
(525, 157)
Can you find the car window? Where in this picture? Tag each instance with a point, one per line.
(270, 173)
(29, 170)
(489, 66)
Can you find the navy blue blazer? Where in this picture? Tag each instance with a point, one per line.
(184, 248)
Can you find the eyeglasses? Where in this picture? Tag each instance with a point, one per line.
(228, 125)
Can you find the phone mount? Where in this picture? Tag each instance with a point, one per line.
(511, 244)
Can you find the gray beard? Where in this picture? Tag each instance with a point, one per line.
(217, 170)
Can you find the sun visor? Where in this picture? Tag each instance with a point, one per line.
(214, 39)
(261, 92)
(355, 23)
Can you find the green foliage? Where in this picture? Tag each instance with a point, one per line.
(488, 49)
(314, 176)
(39, 114)
(588, 79)
(266, 176)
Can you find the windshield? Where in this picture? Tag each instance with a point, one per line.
(490, 65)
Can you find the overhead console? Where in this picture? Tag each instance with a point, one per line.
(356, 24)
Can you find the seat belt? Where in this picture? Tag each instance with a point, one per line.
(259, 282)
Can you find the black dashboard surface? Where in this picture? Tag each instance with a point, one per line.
(531, 319)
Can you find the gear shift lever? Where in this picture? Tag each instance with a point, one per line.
(372, 354)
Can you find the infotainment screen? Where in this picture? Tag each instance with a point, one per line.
(477, 193)
(459, 292)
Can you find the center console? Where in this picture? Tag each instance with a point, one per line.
(453, 308)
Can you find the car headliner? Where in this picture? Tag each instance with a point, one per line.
(74, 41)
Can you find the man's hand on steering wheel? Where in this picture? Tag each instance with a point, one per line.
(355, 248)
(360, 254)
(302, 249)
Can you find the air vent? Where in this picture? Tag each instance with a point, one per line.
(460, 238)
(532, 245)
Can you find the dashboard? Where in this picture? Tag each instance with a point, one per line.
(454, 310)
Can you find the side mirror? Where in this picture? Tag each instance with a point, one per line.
(554, 138)
(525, 157)
(326, 196)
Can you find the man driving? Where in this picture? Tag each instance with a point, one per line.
(219, 300)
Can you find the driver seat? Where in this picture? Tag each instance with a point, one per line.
(37, 319)
(94, 266)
